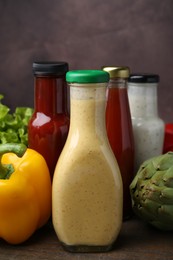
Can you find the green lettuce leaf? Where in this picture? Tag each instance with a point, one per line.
(14, 126)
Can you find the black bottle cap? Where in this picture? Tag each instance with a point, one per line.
(49, 68)
(143, 78)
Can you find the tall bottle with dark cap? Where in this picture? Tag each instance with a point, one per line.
(48, 127)
(148, 127)
(119, 129)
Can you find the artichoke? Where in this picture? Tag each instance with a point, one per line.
(152, 191)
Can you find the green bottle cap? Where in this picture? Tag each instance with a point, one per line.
(87, 76)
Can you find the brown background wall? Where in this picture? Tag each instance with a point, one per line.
(87, 34)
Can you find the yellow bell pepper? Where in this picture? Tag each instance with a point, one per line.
(25, 192)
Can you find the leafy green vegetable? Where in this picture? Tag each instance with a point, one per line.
(13, 127)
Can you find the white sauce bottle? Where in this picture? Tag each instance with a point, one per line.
(148, 128)
(87, 185)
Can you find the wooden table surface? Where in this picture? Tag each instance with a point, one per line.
(136, 241)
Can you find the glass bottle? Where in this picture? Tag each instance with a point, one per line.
(148, 128)
(168, 138)
(87, 184)
(48, 129)
(119, 129)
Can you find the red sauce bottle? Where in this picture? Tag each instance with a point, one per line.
(49, 125)
(119, 129)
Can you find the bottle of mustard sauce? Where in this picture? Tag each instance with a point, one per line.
(87, 185)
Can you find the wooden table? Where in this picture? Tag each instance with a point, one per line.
(136, 241)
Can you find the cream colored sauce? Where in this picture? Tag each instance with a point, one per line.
(148, 128)
(87, 186)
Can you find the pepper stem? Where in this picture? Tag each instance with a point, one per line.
(7, 169)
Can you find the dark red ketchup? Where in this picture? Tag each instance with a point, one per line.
(119, 129)
(49, 125)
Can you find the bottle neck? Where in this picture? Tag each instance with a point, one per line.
(88, 108)
(117, 83)
(50, 96)
(143, 100)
